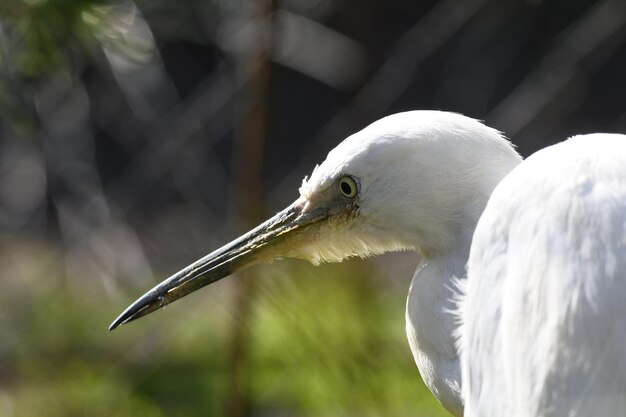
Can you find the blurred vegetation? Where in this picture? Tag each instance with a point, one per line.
(39, 39)
(41, 34)
(135, 136)
(326, 341)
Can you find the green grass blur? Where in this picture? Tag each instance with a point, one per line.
(325, 341)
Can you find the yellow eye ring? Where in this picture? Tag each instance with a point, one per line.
(347, 186)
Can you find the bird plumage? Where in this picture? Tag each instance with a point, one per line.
(422, 174)
(544, 315)
(425, 179)
(422, 179)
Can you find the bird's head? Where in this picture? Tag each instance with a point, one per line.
(410, 181)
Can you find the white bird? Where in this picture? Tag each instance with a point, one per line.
(415, 181)
(544, 317)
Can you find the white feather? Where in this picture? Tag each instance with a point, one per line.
(425, 177)
(544, 330)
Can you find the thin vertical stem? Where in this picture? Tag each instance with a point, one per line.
(253, 69)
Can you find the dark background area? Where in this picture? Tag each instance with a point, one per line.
(137, 136)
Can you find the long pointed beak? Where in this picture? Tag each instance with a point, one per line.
(281, 235)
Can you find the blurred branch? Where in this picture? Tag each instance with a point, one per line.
(393, 77)
(253, 71)
(317, 51)
(602, 25)
(204, 108)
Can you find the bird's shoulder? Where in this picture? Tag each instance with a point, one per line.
(547, 287)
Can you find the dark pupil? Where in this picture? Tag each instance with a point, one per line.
(346, 188)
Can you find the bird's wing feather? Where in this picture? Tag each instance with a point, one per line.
(544, 317)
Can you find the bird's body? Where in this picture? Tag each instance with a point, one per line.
(544, 330)
(414, 181)
(419, 181)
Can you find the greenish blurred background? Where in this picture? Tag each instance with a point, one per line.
(136, 136)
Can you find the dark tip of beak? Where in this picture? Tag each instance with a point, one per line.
(177, 286)
(146, 304)
(154, 299)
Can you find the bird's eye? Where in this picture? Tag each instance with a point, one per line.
(348, 187)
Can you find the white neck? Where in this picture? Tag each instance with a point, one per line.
(430, 322)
